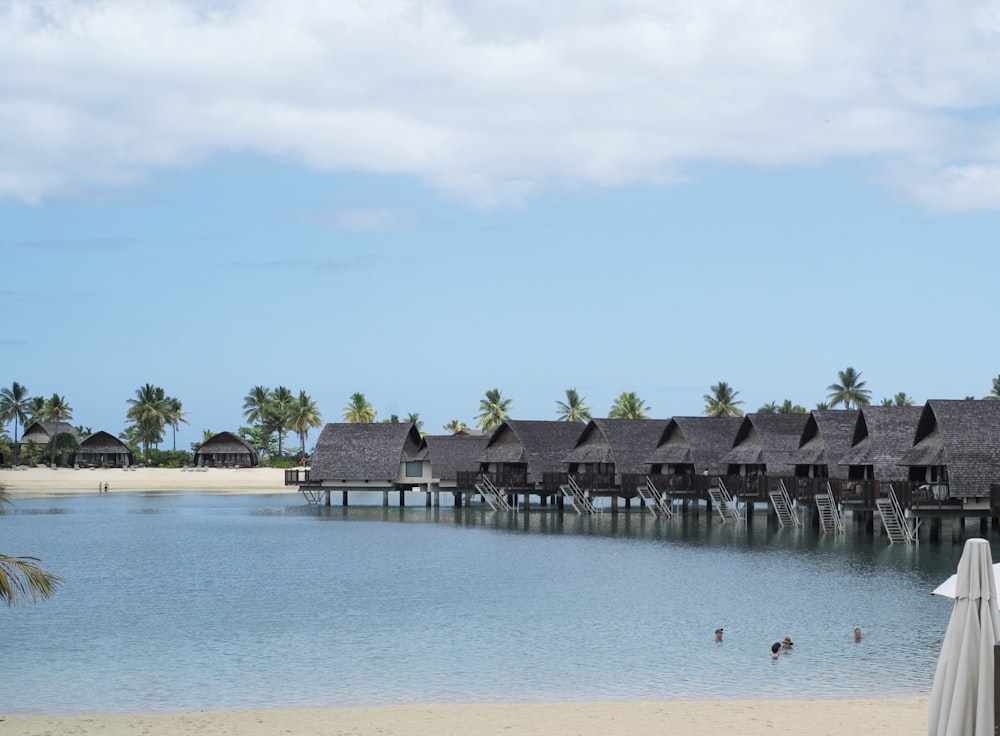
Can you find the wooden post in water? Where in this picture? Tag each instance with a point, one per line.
(402, 497)
(328, 494)
(343, 500)
(385, 498)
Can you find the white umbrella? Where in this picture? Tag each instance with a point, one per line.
(961, 701)
(947, 588)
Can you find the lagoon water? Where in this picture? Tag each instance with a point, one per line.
(176, 602)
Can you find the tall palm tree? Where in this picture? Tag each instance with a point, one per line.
(787, 407)
(359, 411)
(414, 419)
(768, 408)
(494, 409)
(13, 405)
(628, 405)
(455, 426)
(573, 409)
(722, 401)
(302, 416)
(147, 414)
(255, 405)
(174, 415)
(282, 401)
(21, 577)
(56, 409)
(850, 392)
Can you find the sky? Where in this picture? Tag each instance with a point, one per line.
(421, 201)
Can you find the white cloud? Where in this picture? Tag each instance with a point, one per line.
(494, 101)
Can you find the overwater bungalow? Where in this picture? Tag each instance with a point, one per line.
(451, 454)
(103, 450)
(826, 438)
(880, 436)
(765, 445)
(520, 453)
(690, 448)
(955, 453)
(369, 457)
(612, 454)
(226, 449)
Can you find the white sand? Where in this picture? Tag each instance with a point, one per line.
(749, 718)
(61, 481)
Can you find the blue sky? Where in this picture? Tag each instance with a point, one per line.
(423, 201)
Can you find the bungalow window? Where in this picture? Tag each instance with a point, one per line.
(414, 469)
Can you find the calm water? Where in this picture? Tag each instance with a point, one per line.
(187, 601)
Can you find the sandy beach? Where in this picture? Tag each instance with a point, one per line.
(61, 481)
(750, 718)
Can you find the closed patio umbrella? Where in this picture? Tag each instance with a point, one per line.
(961, 702)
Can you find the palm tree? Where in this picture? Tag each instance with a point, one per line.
(787, 407)
(822, 405)
(850, 391)
(56, 409)
(455, 426)
(628, 405)
(61, 444)
(994, 393)
(414, 419)
(900, 399)
(174, 415)
(359, 411)
(255, 405)
(147, 414)
(21, 577)
(282, 401)
(768, 408)
(722, 401)
(493, 410)
(13, 405)
(302, 416)
(573, 409)
(34, 410)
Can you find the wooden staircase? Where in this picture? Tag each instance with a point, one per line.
(724, 503)
(581, 502)
(829, 515)
(658, 503)
(492, 495)
(894, 521)
(783, 507)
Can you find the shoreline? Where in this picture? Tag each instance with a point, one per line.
(693, 718)
(39, 482)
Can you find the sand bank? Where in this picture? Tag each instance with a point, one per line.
(750, 718)
(61, 481)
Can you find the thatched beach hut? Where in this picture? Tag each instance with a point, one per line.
(766, 444)
(226, 449)
(452, 455)
(521, 452)
(102, 449)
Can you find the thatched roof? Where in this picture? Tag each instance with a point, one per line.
(227, 443)
(41, 432)
(625, 443)
(542, 445)
(826, 438)
(768, 439)
(698, 441)
(965, 437)
(361, 452)
(103, 442)
(881, 435)
(452, 453)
